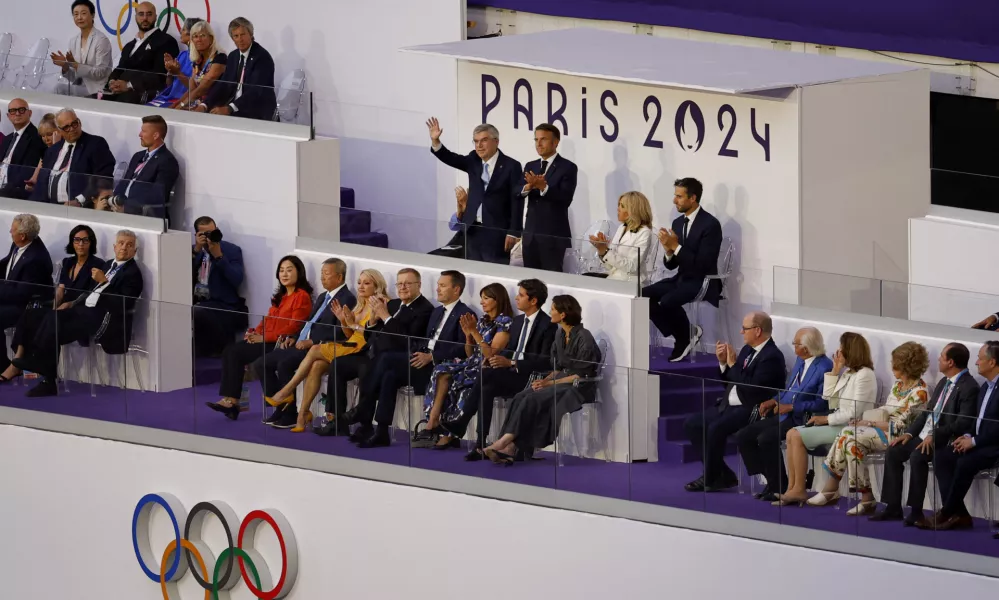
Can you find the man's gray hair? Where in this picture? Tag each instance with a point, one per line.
(811, 339)
(127, 233)
(66, 111)
(992, 350)
(189, 23)
(486, 127)
(240, 22)
(28, 225)
(339, 267)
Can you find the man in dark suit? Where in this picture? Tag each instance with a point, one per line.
(976, 449)
(692, 248)
(152, 173)
(20, 151)
(72, 167)
(104, 316)
(442, 340)
(753, 376)
(246, 89)
(949, 415)
(547, 189)
(275, 369)
(220, 313)
(491, 218)
(26, 273)
(504, 375)
(759, 442)
(141, 74)
(397, 322)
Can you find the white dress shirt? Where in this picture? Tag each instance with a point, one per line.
(245, 56)
(96, 294)
(62, 186)
(528, 327)
(804, 369)
(440, 326)
(10, 155)
(525, 191)
(140, 39)
(18, 253)
(690, 225)
(733, 394)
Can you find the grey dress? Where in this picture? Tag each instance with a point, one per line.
(535, 415)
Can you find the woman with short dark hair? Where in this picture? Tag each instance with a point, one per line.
(87, 62)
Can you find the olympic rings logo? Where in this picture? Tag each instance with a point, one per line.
(199, 558)
(178, 17)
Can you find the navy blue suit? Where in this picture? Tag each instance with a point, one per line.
(755, 381)
(391, 370)
(547, 233)
(29, 150)
(30, 278)
(956, 472)
(152, 186)
(697, 258)
(759, 442)
(92, 165)
(226, 316)
(257, 100)
(499, 201)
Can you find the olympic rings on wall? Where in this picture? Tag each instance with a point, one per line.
(162, 21)
(210, 573)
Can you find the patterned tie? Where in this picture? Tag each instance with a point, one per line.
(308, 326)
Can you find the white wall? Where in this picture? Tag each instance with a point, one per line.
(352, 534)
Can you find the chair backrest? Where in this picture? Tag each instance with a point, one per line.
(603, 345)
(290, 96)
(652, 258)
(726, 260)
(6, 41)
(119, 171)
(34, 65)
(603, 226)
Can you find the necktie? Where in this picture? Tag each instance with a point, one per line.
(142, 163)
(242, 70)
(544, 167)
(943, 400)
(66, 158)
(797, 377)
(437, 330)
(518, 354)
(398, 310)
(485, 174)
(683, 238)
(13, 259)
(749, 359)
(308, 326)
(95, 295)
(10, 149)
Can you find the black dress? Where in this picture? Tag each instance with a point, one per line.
(75, 286)
(535, 415)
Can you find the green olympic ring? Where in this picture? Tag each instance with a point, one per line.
(221, 561)
(165, 14)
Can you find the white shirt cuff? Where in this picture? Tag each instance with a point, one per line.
(436, 147)
(544, 191)
(233, 108)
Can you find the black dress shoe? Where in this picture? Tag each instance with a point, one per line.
(45, 387)
(474, 455)
(888, 514)
(764, 492)
(361, 433)
(913, 518)
(453, 442)
(726, 483)
(379, 439)
(230, 411)
(286, 420)
(330, 429)
(275, 415)
(769, 497)
(350, 417)
(696, 485)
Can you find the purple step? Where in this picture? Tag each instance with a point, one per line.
(671, 428)
(354, 221)
(379, 240)
(677, 453)
(690, 399)
(347, 197)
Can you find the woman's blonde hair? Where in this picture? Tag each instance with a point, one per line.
(206, 28)
(639, 210)
(381, 288)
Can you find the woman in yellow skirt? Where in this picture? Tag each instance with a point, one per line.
(370, 284)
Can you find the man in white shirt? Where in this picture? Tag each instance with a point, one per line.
(20, 151)
(26, 272)
(141, 72)
(73, 167)
(246, 89)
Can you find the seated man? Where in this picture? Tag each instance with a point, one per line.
(399, 321)
(26, 272)
(455, 248)
(949, 415)
(276, 368)
(145, 188)
(72, 167)
(956, 464)
(20, 151)
(246, 89)
(141, 72)
(220, 314)
(444, 340)
(529, 350)
(103, 316)
(759, 442)
(692, 248)
(752, 378)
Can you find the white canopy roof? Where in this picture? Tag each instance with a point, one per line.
(661, 61)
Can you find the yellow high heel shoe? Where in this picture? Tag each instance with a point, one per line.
(308, 419)
(277, 403)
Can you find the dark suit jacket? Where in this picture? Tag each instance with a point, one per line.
(988, 432)
(451, 342)
(538, 348)
(117, 301)
(756, 382)
(327, 327)
(958, 416)
(224, 277)
(30, 278)
(83, 282)
(548, 215)
(806, 396)
(145, 69)
(258, 100)
(91, 165)
(30, 149)
(152, 187)
(398, 334)
(499, 200)
(698, 256)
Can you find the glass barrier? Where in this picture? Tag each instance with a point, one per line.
(963, 189)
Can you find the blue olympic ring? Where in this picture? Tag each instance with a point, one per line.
(107, 27)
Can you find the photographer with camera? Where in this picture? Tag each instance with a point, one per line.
(217, 268)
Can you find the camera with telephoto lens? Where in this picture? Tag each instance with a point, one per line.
(214, 236)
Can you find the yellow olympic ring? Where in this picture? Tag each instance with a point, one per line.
(121, 14)
(171, 547)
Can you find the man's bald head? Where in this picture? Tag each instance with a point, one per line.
(18, 112)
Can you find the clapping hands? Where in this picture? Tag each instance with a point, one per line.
(668, 239)
(468, 323)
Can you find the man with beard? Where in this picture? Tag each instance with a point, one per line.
(141, 74)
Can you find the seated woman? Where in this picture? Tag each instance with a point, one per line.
(175, 92)
(624, 255)
(535, 413)
(850, 389)
(451, 383)
(355, 323)
(74, 279)
(291, 305)
(207, 65)
(874, 430)
(87, 62)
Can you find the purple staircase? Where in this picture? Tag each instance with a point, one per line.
(355, 225)
(683, 391)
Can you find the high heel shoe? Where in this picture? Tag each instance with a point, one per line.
(277, 403)
(308, 419)
(785, 500)
(823, 499)
(864, 508)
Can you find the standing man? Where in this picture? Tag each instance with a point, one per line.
(141, 72)
(492, 223)
(74, 167)
(20, 151)
(547, 189)
(752, 377)
(220, 314)
(692, 248)
(246, 89)
(949, 415)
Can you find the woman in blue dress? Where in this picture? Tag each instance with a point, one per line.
(449, 392)
(174, 93)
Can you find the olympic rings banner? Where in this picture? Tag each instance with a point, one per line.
(198, 558)
(163, 21)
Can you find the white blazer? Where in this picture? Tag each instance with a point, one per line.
(850, 394)
(95, 63)
(626, 250)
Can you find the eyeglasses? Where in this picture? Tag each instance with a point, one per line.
(17, 111)
(70, 126)
(83, 240)
(751, 327)
(402, 284)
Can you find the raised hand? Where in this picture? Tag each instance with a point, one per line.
(434, 128)
(721, 351)
(599, 242)
(461, 195)
(838, 361)
(171, 64)
(468, 324)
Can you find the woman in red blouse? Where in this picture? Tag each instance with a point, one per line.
(290, 308)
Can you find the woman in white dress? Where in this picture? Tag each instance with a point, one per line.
(87, 63)
(624, 255)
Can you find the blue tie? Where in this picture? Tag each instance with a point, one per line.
(485, 174)
(308, 326)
